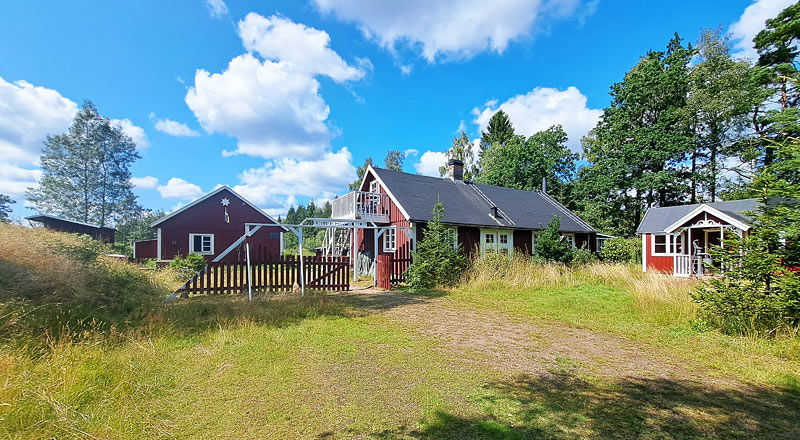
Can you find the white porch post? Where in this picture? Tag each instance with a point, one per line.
(300, 251)
(249, 273)
(644, 252)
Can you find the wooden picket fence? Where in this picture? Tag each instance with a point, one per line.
(399, 268)
(272, 273)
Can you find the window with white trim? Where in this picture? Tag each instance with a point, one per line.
(660, 244)
(534, 237)
(201, 244)
(570, 238)
(677, 244)
(667, 244)
(390, 240)
(454, 229)
(373, 186)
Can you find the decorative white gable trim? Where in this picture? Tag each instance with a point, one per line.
(710, 210)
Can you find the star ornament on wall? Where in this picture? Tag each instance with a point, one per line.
(225, 201)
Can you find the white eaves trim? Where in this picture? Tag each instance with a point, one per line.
(216, 191)
(710, 210)
(388, 191)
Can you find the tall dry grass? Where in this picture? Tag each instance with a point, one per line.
(662, 297)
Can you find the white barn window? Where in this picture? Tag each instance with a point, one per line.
(202, 244)
(390, 240)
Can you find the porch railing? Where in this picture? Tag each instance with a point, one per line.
(361, 205)
(683, 265)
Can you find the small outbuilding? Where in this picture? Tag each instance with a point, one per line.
(54, 223)
(676, 239)
(208, 226)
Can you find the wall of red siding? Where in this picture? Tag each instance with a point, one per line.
(366, 237)
(145, 249)
(522, 242)
(208, 217)
(658, 263)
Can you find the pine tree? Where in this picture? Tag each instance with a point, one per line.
(5, 208)
(436, 262)
(498, 132)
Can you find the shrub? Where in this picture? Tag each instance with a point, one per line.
(622, 250)
(188, 265)
(436, 262)
(551, 246)
(583, 256)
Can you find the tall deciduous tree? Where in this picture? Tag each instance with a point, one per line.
(5, 208)
(86, 171)
(636, 153)
(462, 150)
(722, 97)
(360, 171)
(522, 163)
(394, 160)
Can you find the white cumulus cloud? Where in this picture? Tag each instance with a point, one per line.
(272, 106)
(177, 188)
(541, 108)
(134, 131)
(752, 22)
(27, 115)
(275, 185)
(453, 28)
(216, 8)
(175, 128)
(429, 163)
(147, 182)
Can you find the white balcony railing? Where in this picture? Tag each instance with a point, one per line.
(361, 205)
(683, 265)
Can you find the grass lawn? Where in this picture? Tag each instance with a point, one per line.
(514, 352)
(382, 366)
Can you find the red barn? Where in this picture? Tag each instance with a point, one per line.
(676, 239)
(208, 226)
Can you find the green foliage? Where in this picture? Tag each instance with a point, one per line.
(755, 290)
(522, 163)
(462, 150)
(498, 132)
(83, 248)
(360, 171)
(135, 227)
(394, 160)
(636, 151)
(436, 261)
(722, 96)
(622, 250)
(583, 256)
(5, 208)
(312, 238)
(551, 246)
(86, 171)
(188, 265)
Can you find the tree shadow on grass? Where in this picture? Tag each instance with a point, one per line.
(565, 406)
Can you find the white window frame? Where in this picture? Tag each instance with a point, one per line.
(374, 186)
(455, 236)
(390, 240)
(570, 239)
(497, 246)
(534, 237)
(191, 244)
(670, 244)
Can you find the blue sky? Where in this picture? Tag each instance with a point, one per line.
(282, 100)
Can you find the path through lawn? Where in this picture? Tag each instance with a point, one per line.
(376, 365)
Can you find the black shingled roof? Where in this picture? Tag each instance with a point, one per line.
(467, 203)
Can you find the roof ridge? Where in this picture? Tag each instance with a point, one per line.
(491, 203)
(564, 209)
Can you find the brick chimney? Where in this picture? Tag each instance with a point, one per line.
(456, 169)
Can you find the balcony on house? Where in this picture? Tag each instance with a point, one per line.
(361, 205)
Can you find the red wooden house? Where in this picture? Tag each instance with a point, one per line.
(485, 218)
(208, 226)
(676, 239)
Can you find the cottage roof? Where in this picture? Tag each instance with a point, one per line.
(467, 203)
(659, 219)
(43, 218)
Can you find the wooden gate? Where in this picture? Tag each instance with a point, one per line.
(383, 272)
(270, 273)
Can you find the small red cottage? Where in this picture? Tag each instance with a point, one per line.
(208, 226)
(676, 239)
(485, 218)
